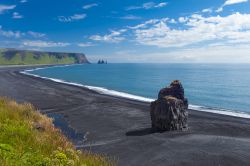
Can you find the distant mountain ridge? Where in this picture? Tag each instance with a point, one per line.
(27, 57)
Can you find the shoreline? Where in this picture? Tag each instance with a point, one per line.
(124, 95)
(121, 128)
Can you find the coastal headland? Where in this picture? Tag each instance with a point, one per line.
(29, 57)
(121, 128)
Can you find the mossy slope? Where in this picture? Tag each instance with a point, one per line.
(29, 138)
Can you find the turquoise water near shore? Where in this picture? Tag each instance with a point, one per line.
(209, 86)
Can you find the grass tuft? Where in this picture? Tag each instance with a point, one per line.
(30, 138)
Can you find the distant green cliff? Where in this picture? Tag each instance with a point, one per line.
(25, 57)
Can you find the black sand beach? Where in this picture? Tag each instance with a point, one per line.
(120, 128)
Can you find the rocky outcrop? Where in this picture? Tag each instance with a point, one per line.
(101, 61)
(169, 111)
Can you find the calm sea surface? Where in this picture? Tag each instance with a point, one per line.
(215, 86)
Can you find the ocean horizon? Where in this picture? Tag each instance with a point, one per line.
(216, 88)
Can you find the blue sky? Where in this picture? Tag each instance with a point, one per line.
(174, 31)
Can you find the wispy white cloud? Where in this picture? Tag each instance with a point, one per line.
(149, 22)
(36, 34)
(220, 9)
(88, 6)
(16, 15)
(19, 34)
(148, 5)
(130, 17)
(78, 16)
(234, 28)
(23, 1)
(75, 17)
(4, 8)
(207, 10)
(87, 44)
(159, 5)
(230, 2)
(113, 37)
(44, 44)
(9, 34)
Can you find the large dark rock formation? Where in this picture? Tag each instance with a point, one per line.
(169, 111)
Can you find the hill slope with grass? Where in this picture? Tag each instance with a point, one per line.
(26, 57)
(30, 138)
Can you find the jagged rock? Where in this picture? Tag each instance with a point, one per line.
(169, 111)
(101, 61)
(175, 89)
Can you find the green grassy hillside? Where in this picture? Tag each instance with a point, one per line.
(28, 138)
(24, 57)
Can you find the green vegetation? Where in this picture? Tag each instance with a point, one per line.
(24, 57)
(29, 59)
(29, 138)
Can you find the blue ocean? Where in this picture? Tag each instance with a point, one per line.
(219, 88)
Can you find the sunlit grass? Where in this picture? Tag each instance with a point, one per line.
(29, 138)
(29, 59)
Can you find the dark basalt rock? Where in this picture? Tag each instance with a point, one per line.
(101, 61)
(169, 111)
(175, 89)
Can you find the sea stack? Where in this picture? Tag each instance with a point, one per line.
(170, 110)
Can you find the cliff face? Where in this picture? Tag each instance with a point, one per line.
(24, 57)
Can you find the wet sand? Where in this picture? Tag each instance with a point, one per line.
(120, 128)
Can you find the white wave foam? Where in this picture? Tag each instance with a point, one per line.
(102, 90)
(56, 66)
(220, 111)
(119, 94)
